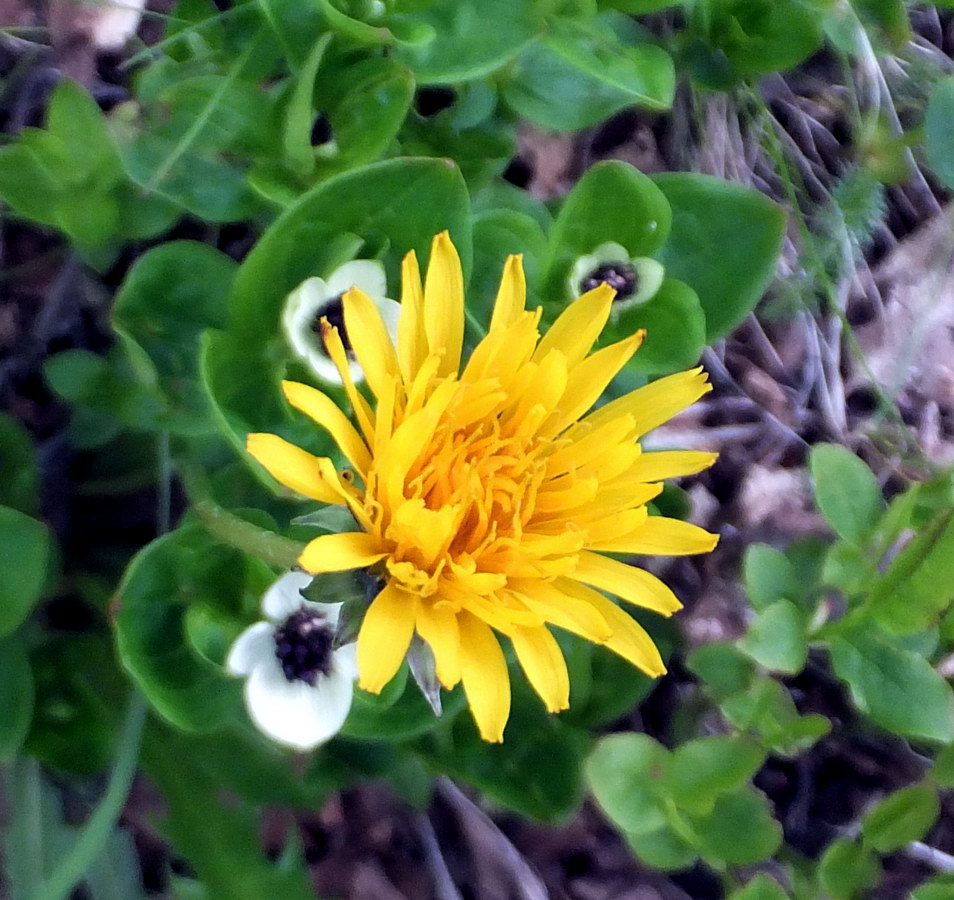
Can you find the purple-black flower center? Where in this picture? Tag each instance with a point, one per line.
(620, 276)
(333, 311)
(303, 646)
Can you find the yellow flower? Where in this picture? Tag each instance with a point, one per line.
(485, 494)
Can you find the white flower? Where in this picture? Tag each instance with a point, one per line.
(316, 297)
(298, 690)
(635, 280)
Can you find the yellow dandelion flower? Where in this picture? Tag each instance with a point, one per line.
(488, 494)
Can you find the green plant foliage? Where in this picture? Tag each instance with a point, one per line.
(846, 491)
(900, 818)
(16, 697)
(761, 887)
(20, 483)
(24, 559)
(898, 688)
(939, 131)
(847, 870)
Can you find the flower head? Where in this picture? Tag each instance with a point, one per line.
(316, 298)
(635, 281)
(487, 494)
(298, 689)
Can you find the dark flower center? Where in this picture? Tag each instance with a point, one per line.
(620, 276)
(303, 646)
(333, 311)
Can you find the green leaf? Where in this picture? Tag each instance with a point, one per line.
(675, 329)
(941, 887)
(722, 668)
(723, 243)
(768, 576)
(299, 115)
(585, 71)
(777, 639)
(166, 577)
(401, 203)
(919, 583)
(627, 774)
(20, 480)
(904, 816)
(219, 837)
(173, 293)
(24, 557)
(761, 887)
(542, 786)
(939, 131)
(847, 870)
(740, 829)
(663, 849)
(612, 202)
(943, 772)
(16, 697)
(76, 119)
(899, 690)
(846, 491)
(473, 39)
(703, 769)
(405, 716)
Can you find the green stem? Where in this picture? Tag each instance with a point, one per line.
(274, 549)
(96, 832)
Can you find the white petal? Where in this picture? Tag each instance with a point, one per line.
(298, 310)
(390, 311)
(328, 611)
(346, 661)
(284, 596)
(584, 265)
(294, 713)
(365, 274)
(251, 648)
(326, 370)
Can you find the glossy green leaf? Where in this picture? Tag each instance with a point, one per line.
(472, 39)
(171, 573)
(675, 329)
(723, 243)
(847, 870)
(612, 202)
(904, 816)
(941, 887)
(898, 689)
(777, 638)
(627, 774)
(172, 294)
(24, 557)
(939, 131)
(299, 115)
(401, 717)
(19, 477)
(75, 118)
(919, 583)
(943, 772)
(846, 491)
(16, 696)
(663, 849)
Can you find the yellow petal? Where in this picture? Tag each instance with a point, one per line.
(412, 341)
(511, 296)
(629, 638)
(483, 670)
(369, 339)
(660, 536)
(657, 402)
(336, 350)
(444, 304)
(385, 635)
(565, 609)
(588, 379)
(340, 552)
(626, 582)
(438, 626)
(323, 410)
(578, 326)
(293, 467)
(586, 443)
(542, 661)
(657, 465)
